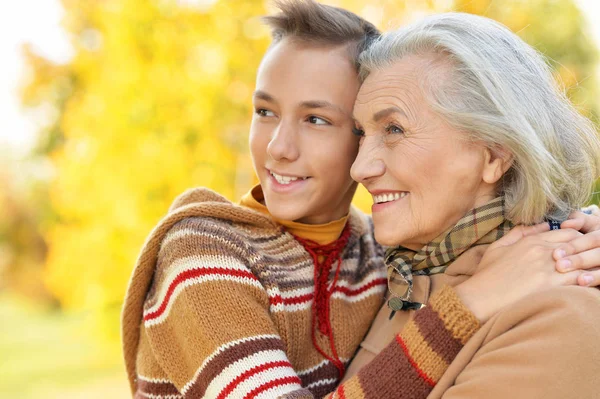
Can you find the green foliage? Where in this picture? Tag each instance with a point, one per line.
(556, 29)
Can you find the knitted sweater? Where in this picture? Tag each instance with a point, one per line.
(219, 305)
(411, 365)
(225, 298)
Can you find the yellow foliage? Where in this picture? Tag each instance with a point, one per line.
(156, 100)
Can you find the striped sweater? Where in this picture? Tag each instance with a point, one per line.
(219, 306)
(412, 364)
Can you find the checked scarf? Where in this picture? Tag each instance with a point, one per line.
(482, 225)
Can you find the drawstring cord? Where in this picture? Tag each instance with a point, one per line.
(330, 254)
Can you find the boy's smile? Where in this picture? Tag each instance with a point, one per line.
(301, 135)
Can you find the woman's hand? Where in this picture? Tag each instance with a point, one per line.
(522, 263)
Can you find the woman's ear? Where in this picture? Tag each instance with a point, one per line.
(497, 162)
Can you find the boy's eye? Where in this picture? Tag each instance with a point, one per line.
(264, 112)
(317, 121)
(358, 132)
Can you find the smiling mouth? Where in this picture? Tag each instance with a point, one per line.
(281, 179)
(390, 197)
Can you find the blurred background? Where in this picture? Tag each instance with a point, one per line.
(111, 108)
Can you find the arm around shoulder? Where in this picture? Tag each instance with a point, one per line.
(411, 365)
(546, 345)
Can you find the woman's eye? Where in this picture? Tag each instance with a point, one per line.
(394, 129)
(317, 121)
(264, 112)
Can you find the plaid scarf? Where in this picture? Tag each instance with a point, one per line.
(482, 225)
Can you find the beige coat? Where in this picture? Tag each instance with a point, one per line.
(545, 346)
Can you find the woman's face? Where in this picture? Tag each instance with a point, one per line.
(301, 135)
(424, 175)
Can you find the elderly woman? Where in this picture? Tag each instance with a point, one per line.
(464, 135)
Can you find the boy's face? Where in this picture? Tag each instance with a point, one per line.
(301, 135)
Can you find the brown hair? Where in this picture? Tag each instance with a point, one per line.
(315, 23)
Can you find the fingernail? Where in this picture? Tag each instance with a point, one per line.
(560, 253)
(587, 279)
(565, 264)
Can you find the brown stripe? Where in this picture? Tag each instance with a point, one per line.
(327, 371)
(457, 318)
(355, 276)
(157, 388)
(227, 357)
(299, 394)
(213, 239)
(434, 331)
(205, 230)
(429, 362)
(389, 372)
(319, 391)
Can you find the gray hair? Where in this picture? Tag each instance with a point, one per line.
(502, 93)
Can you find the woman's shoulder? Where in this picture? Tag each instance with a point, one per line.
(558, 312)
(577, 304)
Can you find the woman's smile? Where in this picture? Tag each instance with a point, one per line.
(383, 199)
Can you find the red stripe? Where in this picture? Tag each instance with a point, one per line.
(193, 273)
(341, 392)
(360, 290)
(277, 299)
(249, 373)
(414, 364)
(272, 384)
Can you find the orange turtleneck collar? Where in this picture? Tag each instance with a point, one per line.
(319, 233)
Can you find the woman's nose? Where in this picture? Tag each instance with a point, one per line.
(368, 164)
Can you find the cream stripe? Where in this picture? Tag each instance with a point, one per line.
(219, 350)
(181, 265)
(234, 370)
(282, 307)
(375, 275)
(151, 396)
(292, 252)
(327, 381)
(277, 392)
(190, 282)
(356, 298)
(265, 377)
(187, 232)
(153, 380)
(313, 368)
(318, 366)
(290, 293)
